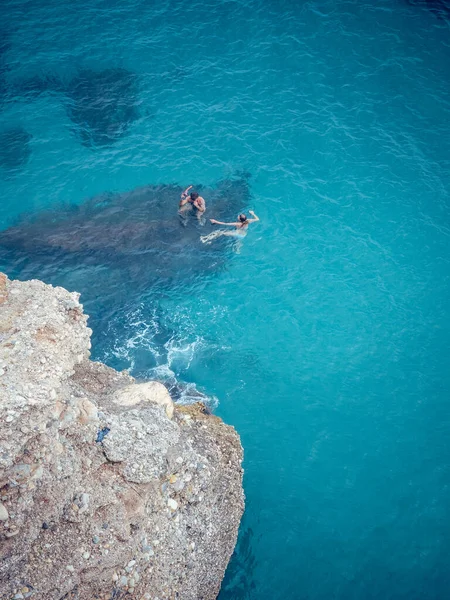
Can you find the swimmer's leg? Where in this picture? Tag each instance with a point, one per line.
(183, 213)
(183, 218)
(185, 209)
(201, 218)
(207, 239)
(238, 246)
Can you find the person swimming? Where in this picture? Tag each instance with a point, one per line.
(240, 231)
(192, 201)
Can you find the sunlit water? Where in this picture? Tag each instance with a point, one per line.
(325, 339)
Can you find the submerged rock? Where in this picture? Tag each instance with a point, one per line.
(14, 148)
(101, 104)
(440, 8)
(134, 514)
(125, 242)
(4, 67)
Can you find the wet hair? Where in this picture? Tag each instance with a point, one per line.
(194, 195)
(242, 218)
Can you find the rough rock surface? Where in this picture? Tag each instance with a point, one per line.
(107, 490)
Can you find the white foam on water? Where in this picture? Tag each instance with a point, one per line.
(153, 351)
(180, 352)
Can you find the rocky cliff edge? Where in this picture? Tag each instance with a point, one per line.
(107, 490)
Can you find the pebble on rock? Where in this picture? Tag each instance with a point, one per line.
(12, 532)
(3, 513)
(178, 486)
(172, 504)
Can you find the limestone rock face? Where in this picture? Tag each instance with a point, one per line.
(107, 490)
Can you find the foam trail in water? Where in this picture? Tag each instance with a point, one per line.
(149, 350)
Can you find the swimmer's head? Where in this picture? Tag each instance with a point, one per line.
(194, 196)
(242, 218)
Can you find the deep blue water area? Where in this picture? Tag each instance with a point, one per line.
(324, 335)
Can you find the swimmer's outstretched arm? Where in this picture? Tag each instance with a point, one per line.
(214, 222)
(184, 196)
(256, 218)
(186, 191)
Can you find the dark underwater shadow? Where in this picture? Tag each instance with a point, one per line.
(5, 45)
(238, 583)
(116, 246)
(102, 105)
(14, 150)
(440, 8)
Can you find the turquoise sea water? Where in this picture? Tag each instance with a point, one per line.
(325, 340)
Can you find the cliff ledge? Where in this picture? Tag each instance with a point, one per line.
(107, 490)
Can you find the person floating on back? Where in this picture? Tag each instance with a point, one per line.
(192, 201)
(240, 231)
